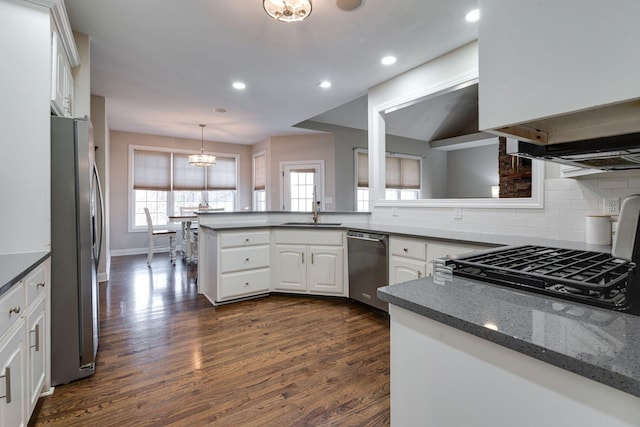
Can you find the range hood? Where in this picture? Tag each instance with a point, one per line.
(621, 152)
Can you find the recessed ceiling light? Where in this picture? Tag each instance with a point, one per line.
(349, 5)
(326, 84)
(473, 16)
(388, 60)
(219, 110)
(239, 85)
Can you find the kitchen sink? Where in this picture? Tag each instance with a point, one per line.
(311, 224)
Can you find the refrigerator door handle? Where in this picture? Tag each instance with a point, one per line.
(98, 251)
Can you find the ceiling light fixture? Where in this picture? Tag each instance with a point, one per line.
(239, 85)
(473, 16)
(388, 60)
(326, 84)
(349, 5)
(202, 159)
(287, 10)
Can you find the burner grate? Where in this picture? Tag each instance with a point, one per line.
(545, 267)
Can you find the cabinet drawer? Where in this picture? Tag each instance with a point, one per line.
(11, 306)
(35, 284)
(239, 259)
(236, 285)
(232, 240)
(409, 248)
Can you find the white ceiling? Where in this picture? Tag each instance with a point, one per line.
(164, 65)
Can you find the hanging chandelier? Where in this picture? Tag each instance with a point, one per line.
(287, 10)
(202, 159)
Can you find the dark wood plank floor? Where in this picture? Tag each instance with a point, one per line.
(168, 357)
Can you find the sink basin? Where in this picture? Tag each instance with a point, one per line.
(311, 224)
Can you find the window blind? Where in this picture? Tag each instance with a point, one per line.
(222, 176)
(400, 172)
(260, 172)
(185, 176)
(151, 170)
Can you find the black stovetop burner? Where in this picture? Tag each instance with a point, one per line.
(593, 278)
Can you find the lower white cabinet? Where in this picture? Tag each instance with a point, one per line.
(309, 261)
(412, 258)
(233, 264)
(23, 346)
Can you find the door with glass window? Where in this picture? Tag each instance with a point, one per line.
(302, 186)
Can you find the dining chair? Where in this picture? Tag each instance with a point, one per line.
(153, 234)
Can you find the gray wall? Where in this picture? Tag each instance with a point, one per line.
(472, 171)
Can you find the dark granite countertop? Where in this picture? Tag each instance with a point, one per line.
(14, 267)
(598, 344)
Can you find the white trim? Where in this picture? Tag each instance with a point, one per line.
(314, 164)
(63, 26)
(377, 144)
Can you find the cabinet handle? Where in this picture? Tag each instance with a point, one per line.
(405, 250)
(419, 274)
(36, 331)
(7, 384)
(15, 310)
(40, 284)
(311, 258)
(303, 257)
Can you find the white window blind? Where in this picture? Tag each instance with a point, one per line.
(185, 176)
(222, 176)
(151, 170)
(260, 172)
(400, 172)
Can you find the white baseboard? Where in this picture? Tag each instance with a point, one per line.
(139, 251)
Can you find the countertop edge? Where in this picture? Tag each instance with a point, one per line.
(594, 372)
(20, 270)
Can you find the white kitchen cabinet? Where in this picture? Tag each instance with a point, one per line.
(62, 85)
(233, 264)
(309, 261)
(407, 259)
(13, 402)
(437, 250)
(545, 59)
(36, 352)
(412, 258)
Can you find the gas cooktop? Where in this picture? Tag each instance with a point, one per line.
(593, 278)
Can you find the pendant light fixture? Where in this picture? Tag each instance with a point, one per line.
(287, 10)
(202, 159)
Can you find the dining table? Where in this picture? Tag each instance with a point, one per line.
(186, 220)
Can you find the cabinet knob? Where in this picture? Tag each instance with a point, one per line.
(40, 284)
(405, 250)
(246, 240)
(15, 309)
(246, 260)
(246, 283)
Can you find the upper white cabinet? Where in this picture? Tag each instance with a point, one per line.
(61, 79)
(545, 66)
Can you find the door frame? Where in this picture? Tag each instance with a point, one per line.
(316, 164)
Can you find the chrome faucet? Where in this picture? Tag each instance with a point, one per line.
(316, 211)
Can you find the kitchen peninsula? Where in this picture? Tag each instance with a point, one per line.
(465, 352)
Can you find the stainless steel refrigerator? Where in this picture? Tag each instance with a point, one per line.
(76, 238)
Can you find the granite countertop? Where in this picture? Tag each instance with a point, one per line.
(419, 232)
(596, 343)
(14, 267)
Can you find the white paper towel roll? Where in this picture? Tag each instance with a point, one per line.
(599, 229)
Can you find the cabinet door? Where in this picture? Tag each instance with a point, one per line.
(290, 268)
(325, 270)
(12, 380)
(36, 349)
(404, 270)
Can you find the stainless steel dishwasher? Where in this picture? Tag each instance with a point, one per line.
(368, 266)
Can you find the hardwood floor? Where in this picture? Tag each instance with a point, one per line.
(167, 357)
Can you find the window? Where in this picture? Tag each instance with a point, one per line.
(164, 182)
(260, 182)
(302, 185)
(402, 178)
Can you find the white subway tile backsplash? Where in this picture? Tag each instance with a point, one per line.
(567, 202)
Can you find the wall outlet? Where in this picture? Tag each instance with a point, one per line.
(612, 206)
(457, 213)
